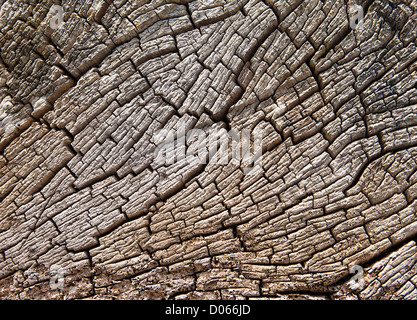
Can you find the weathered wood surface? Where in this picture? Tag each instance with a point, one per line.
(80, 187)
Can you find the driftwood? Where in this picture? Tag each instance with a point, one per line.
(105, 193)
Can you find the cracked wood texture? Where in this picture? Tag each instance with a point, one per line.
(80, 187)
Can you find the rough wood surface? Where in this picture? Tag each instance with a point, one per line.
(81, 188)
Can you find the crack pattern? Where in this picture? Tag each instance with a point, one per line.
(81, 185)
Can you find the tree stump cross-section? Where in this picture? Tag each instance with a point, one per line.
(208, 149)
